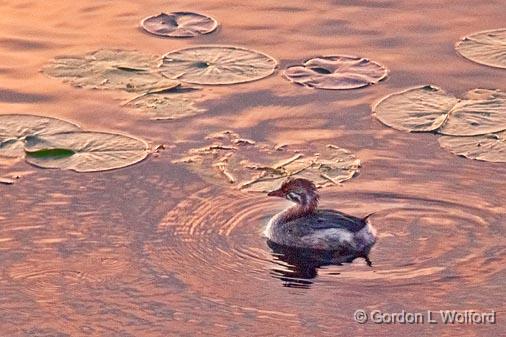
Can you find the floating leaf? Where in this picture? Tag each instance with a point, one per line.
(109, 69)
(167, 103)
(486, 47)
(179, 24)
(83, 151)
(260, 167)
(215, 65)
(336, 72)
(490, 147)
(167, 106)
(15, 129)
(419, 109)
(429, 108)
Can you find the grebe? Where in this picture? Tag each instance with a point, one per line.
(305, 226)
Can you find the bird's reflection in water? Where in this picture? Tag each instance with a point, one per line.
(300, 265)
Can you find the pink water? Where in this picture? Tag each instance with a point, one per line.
(153, 250)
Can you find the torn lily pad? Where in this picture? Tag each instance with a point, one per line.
(83, 151)
(489, 147)
(179, 24)
(430, 109)
(485, 47)
(260, 167)
(336, 72)
(217, 65)
(109, 69)
(16, 129)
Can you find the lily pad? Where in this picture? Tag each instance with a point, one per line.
(336, 72)
(490, 147)
(430, 109)
(16, 129)
(169, 104)
(83, 151)
(109, 69)
(260, 167)
(217, 65)
(485, 47)
(179, 24)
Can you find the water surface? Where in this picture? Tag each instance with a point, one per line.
(153, 250)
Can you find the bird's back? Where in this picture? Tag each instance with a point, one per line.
(326, 219)
(323, 229)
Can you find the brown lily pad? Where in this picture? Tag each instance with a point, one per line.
(179, 24)
(167, 105)
(126, 70)
(489, 147)
(485, 47)
(430, 109)
(16, 129)
(85, 151)
(259, 167)
(217, 65)
(336, 72)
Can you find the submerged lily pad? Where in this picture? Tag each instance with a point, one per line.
(260, 167)
(179, 24)
(172, 103)
(216, 65)
(83, 151)
(16, 129)
(430, 109)
(486, 47)
(109, 69)
(336, 72)
(489, 147)
(167, 106)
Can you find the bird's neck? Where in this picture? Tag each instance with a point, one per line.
(297, 211)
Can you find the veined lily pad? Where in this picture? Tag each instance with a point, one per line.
(486, 47)
(336, 72)
(83, 151)
(430, 109)
(109, 69)
(16, 129)
(260, 167)
(215, 65)
(489, 147)
(179, 24)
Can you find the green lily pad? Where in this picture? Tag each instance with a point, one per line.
(217, 65)
(260, 167)
(485, 47)
(109, 69)
(430, 109)
(336, 72)
(16, 129)
(179, 24)
(83, 151)
(489, 147)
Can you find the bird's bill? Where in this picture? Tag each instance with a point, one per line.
(276, 193)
